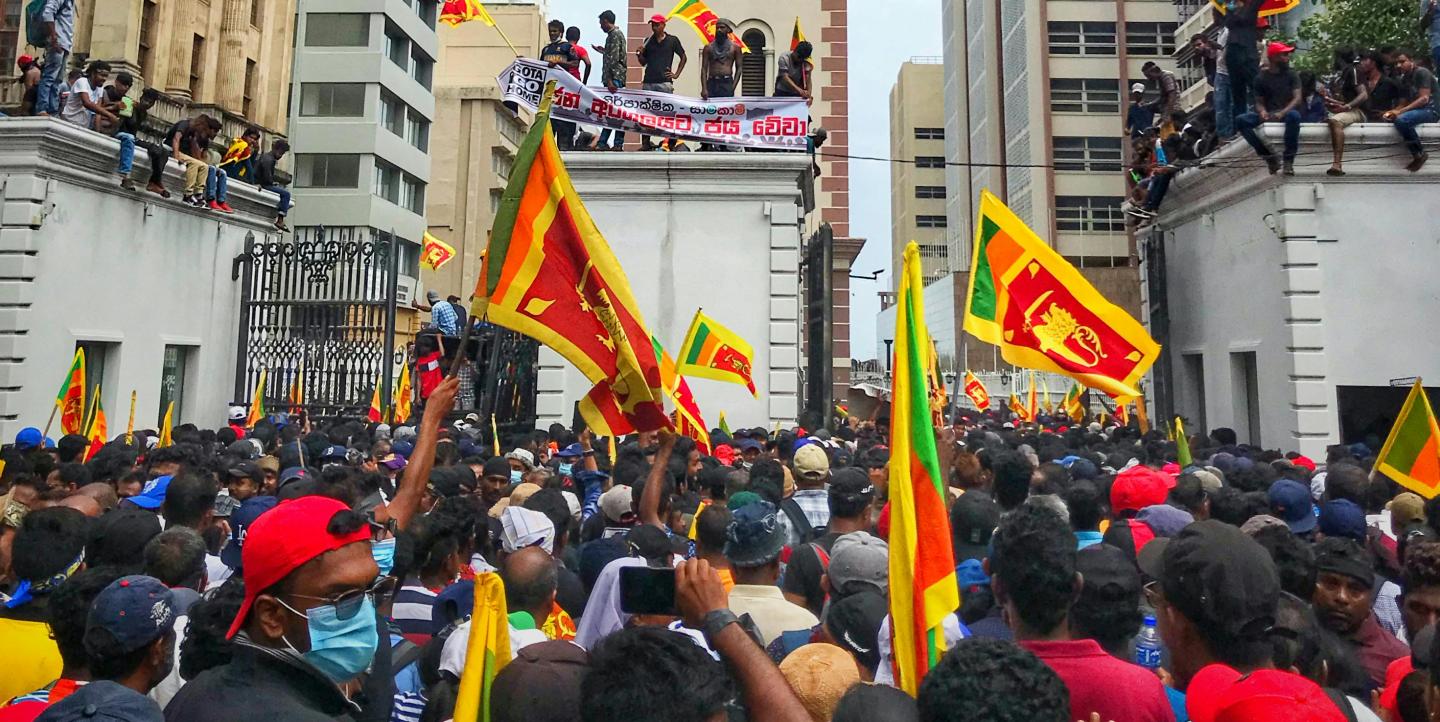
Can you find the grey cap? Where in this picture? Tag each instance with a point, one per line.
(432, 296)
(858, 561)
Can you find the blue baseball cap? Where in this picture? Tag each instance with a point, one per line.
(29, 438)
(130, 613)
(571, 451)
(1342, 518)
(1290, 500)
(240, 520)
(152, 495)
(335, 451)
(748, 444)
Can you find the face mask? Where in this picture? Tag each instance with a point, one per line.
(384, 553)
(341, 648)
(565, 469)
(515, 476)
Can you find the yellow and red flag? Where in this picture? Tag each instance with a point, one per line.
(1021, 413)
(1028, 300)
(687, 419)
(797, 35)
(1142, 415)
(403, 392)
(454, 12)
(257, 402)
(1122, 413)
(487, 649)
(711, 351)
(167, 424)
(550, 275)
(1411, 455)
(1045, 390)
(296, 397)
(1072, 404)
(975, 389)
(1267, 7)
(435, 253)
(703, 19)
(98, 430)
(71, 399)
(1032, 409)
(923, 591)
(376, 413)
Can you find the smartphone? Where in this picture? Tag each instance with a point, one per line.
(647, 590)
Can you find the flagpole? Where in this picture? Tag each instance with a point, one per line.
(50, 421)
(130, 426)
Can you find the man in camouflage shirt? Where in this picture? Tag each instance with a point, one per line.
(612, 71)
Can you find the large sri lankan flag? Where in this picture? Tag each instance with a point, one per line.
(1411, 455)
(703, 19)
(71, 399)
(549, 274)
(1028, 300)
(923, 590)
(487, 649)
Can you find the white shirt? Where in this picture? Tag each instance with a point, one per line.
(215, 571)
(74, 110)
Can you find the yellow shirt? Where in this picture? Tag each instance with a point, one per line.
(31, 659)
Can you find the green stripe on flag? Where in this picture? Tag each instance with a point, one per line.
(982, 295)
(922, 434)
(1413, 435)
(701, 333)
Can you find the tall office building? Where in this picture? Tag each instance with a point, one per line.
(1035, 99)
(917, 189)
(361, 108)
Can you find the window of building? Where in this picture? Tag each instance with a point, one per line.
(428, 10)
(387, 182)
(147, 36)
(397, 47)
(392, 113)
(248, 106)
(930, 221)
(422, 68)
(1094, 214)
(412, 194)
(1087, 153)
(1194, 401)
(930, 192)
(1245, 396)
(929, 161)
(332, 100)
(753, 73)
(172, 380)
(417, 130)
(327, 170)
(1082, 38)
(509, 129)
(197, 66)
(1154, 39)
(337, 30)
(98, 355)
(929, 134)
(502, 165)
(257, 9)
(1084, 95)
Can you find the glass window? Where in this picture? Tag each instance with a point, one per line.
(337, 30)
(929, 161)
(930, 192)
(332, 100)
(257, 11)
(1087, 153)
(502, 165)
(97, 353)
(392, 113)
(1082, 38)
(422, 68)
(417, 130)
(1084, 95)
(428, 10)
(172, 381)
(397, 47)
(929, 134)
(1095, 214)
(387, 182)
(413, 195)
(1153, 39)
(929, 221)
(327, 170)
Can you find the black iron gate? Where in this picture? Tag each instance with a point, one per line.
(319, 308)
(819, 267)
(1157, 294)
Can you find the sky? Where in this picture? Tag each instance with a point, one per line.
(882, 36)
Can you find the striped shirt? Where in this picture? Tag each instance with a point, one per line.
(408, 707)
(412, 611)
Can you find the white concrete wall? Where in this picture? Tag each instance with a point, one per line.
(712, 230)
(83, 260)
(1329, 281)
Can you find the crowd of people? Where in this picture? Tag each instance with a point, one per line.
(1388, 85)
(328, 571)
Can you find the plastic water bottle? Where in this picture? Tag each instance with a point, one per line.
(1147, 646)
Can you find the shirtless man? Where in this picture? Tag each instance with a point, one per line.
(720, 64)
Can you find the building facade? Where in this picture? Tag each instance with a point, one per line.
(917, 181)
(361, 109)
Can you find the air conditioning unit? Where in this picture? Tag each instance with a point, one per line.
(405, 291)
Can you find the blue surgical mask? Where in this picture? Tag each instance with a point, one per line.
(565, 469)
(384, 553)
(341, 648)
(515, 476)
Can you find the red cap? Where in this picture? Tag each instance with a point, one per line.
(1139, 487)
(24, 60)
(1221, 694)
(1171, 468)
(1304, 462)
(282, 539)
(1278, 48)
(657, 18)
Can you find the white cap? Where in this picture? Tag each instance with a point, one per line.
(1137, 88)
(237, 413)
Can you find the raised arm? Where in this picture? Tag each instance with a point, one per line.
(649, 510)
(417, 474)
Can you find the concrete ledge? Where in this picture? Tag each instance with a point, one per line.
(691, 176)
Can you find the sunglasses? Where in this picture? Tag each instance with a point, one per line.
(1153, 595)
(346, 604)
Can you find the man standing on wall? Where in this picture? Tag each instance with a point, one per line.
(560, 53)
(657, 54)
(720, 64)
(612, 70)
(58, 18)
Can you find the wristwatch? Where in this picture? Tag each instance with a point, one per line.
(716, 621)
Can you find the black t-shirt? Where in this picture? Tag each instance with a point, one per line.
(1384, 97)
(659, 56)
(560, 52)
(1244, 35)
(1276, 90)
(187, 137)
(802, 574)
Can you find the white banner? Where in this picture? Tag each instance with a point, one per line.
(774, 123)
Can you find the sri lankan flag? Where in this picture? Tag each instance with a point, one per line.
(1028, 300)
(724, 425)
(797, 35)
(296, 397)
(455, 12)
(711, 351)
(687, 417)
(1267, 7)
(257, 402)
(975, 389)
(1122, 413)
(376, 411)
(923, 590)
(99, 429)
(487, 650)
(1182, 444)
(703, 19)
(167, 425)
(435, 252)
(71, 399)
(1071, 403)
(1032, 409)
(550, 275)
(403, 392)
(1049, 404)
(1411, 455)
(1021, 413)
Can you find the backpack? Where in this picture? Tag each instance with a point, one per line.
(35, 27)
(800, 523)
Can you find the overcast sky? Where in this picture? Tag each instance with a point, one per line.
(882, 36)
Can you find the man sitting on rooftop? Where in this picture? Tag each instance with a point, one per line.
(1277, 99)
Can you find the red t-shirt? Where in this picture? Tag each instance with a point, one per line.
(30, 708)
(584, 58)
(1118, 690)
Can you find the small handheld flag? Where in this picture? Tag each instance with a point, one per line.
(436, 253)
(487, 649)
(1182, 445)
(1411, 455)
(71, 399)
(975, 389)
(257, 402)
(166, 425)
(711, 351)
